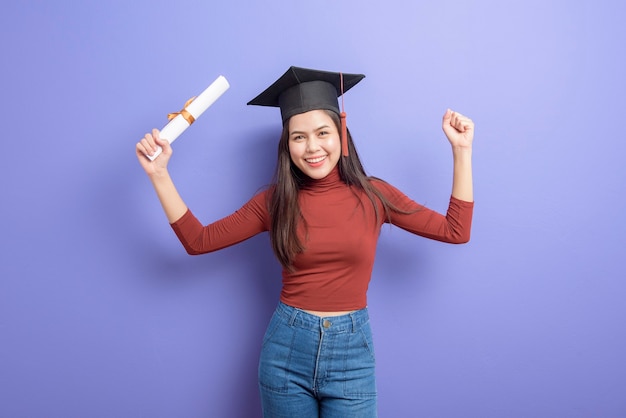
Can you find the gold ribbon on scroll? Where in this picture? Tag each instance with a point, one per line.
(186, 115)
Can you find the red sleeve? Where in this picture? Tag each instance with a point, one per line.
(452, 228)
(251, 219)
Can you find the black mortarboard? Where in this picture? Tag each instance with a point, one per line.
(300, 90)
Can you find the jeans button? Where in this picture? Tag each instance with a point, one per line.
(326, 323)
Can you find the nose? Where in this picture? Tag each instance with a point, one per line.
(311, 144)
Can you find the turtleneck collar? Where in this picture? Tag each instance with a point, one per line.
(332, 180)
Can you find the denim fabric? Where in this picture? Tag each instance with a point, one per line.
(317, 367)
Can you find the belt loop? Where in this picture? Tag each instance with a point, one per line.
(352, 316)
(294, 315)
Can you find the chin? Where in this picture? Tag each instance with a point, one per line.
(317, 173)
(312, 174)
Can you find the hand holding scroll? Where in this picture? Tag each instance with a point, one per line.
(180, 121)
(149, 145)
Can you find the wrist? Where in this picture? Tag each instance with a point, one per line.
(462, 151)
(159, 175)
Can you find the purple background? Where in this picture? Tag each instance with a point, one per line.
(102, 313)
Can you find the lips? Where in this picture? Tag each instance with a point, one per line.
(315, 160)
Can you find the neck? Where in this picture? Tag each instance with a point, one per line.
(331, 178)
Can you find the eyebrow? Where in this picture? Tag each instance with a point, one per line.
(314, 130)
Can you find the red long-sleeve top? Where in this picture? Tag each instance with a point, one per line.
(334, 270)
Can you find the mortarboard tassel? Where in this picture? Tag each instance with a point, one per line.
(344, 128)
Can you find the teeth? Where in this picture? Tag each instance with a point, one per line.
(315, 160)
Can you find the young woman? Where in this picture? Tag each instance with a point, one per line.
(324, 215)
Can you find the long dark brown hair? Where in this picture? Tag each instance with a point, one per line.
(288, 179)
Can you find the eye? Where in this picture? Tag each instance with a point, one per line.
(297, 137)
(323, 133)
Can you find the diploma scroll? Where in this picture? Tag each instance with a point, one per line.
(191, 112)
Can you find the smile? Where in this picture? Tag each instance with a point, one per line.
(315, 160)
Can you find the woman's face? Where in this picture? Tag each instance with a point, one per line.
(314, 143)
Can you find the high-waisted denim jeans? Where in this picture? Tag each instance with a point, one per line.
(317, 367)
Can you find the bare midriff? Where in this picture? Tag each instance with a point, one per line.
(324, 314)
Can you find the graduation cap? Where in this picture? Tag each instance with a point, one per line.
(300, 90)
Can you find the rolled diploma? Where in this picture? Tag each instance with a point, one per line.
(177, 126)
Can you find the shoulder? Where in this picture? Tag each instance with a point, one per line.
(387, 189)
(261, 197)
(393, 196)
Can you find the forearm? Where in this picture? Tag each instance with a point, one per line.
(462, 184)
(173, 205)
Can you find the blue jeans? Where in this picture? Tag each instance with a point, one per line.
(317, 367)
